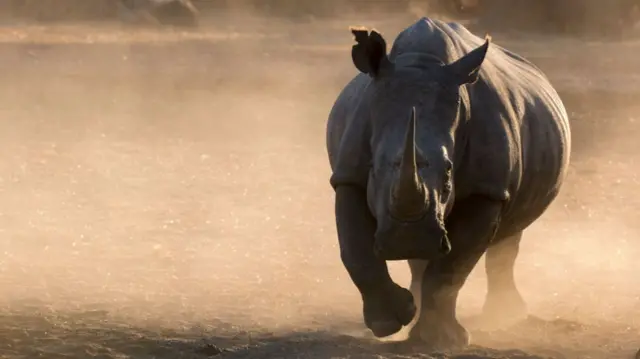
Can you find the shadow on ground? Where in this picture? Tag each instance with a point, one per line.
(97, 334)
(332, 345)
(45, 332)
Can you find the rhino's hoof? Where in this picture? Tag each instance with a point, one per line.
(501, 311)
(385, 328)
(442, 335)
(388, 311)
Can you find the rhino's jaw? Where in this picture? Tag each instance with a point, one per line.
(425, 239)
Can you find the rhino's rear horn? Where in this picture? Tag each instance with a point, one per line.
(408, 196)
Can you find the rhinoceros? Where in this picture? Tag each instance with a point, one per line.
(158, 12)
(444, 149)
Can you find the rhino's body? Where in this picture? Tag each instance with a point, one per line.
(158, 12)
(518, 138)
(512, 147)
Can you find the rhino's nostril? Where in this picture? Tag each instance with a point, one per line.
(445, 245)
(377, 248)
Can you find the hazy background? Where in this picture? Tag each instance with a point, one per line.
(164, 188)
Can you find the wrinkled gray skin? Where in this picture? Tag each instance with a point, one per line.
(443, 150)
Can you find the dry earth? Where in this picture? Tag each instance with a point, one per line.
(165, 195)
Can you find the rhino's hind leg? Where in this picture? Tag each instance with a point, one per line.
(504, 304)
(472, 225)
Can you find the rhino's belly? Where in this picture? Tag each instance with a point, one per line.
(545, 161)
(522, 214)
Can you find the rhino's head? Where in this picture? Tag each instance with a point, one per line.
(415, 107)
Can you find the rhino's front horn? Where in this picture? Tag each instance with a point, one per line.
(408, 196)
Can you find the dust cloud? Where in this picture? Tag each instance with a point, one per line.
(164, 187)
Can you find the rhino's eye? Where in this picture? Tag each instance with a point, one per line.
(449, 168)
(447, 187)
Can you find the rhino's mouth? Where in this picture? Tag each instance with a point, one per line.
(418, 240)
(407, 216)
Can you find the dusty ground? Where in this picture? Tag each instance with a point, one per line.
(165, 195)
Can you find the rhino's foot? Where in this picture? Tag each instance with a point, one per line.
(502, 310)
(388, 310)
(437, 333)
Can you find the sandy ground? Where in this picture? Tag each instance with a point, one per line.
(165, 195)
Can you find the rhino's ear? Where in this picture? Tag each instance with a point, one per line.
(466, 69)
(369, 54)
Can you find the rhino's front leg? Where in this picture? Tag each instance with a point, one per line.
(386, 305)
(471, 226)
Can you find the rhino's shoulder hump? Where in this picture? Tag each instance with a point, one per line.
(447, 40)
(424, 36)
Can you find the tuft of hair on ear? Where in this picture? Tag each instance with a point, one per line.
(370, 51)
(466, 70)
(485, 47)
(481, 51)
(359, 50)
(360, 33)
